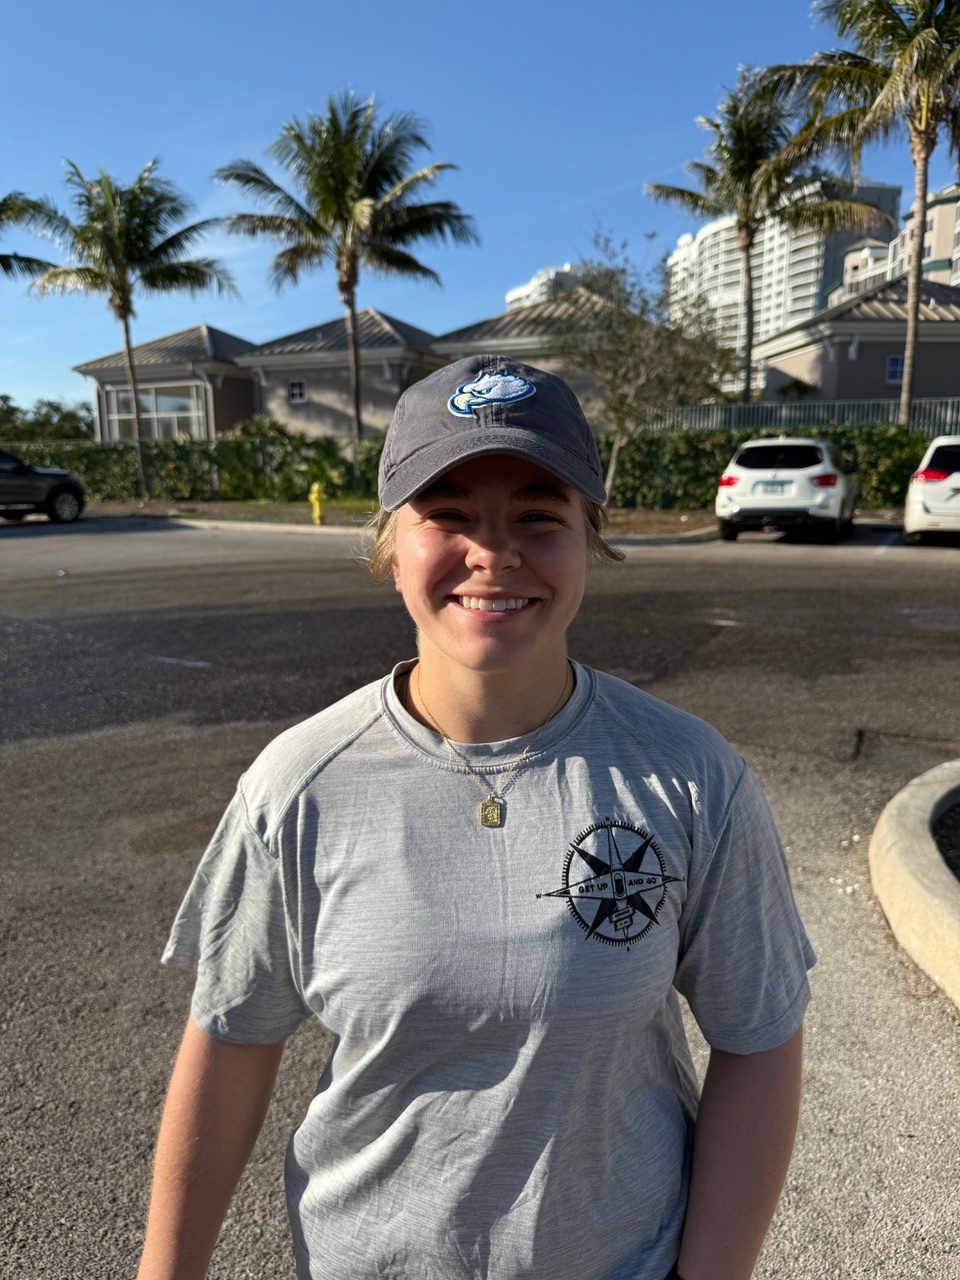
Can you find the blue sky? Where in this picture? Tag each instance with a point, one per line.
(555, 114)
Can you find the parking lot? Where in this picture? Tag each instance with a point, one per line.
(143, 665)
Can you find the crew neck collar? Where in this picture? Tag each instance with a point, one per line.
(494, 755)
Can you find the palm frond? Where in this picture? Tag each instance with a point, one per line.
(125, 237)
(16, 266)
(404, 187)
(253, 181)
(71, 280)
(392, 261)
(705, 172)
(41, 216)
(182, 240)
(827, 216)
(695, 202)
(284, 229)
(192, 275)
(876, 24)
(290, 263)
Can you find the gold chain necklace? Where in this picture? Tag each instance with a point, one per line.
(492, 812)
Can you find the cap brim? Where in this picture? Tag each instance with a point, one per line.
(431, 461)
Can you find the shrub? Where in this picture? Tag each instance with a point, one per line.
(261, 459)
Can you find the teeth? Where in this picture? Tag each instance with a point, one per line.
(485, 605)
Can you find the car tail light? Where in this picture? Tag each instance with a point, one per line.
(727, 480)
(929, 473)
(826, 481)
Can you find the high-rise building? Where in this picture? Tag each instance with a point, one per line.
(869, 263)
(793, 271)
(543, 286)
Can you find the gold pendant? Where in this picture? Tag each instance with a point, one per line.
(491, 812)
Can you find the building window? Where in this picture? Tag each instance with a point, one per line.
(166, 413)
(894, 370)
(296, 392)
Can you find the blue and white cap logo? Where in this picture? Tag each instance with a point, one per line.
(489, 388)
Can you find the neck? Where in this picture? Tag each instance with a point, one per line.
(486, 706)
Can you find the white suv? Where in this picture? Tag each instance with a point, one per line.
(786, 482)
(933, 498)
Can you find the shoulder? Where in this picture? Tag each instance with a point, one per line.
(296, 756)
(683, 741)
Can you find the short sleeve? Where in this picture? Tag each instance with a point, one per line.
(232, 929)
(744, 954)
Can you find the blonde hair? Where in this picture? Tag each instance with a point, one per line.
(383, 525)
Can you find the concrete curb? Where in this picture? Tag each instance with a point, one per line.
(263, 526)
(710, 534)
(919, 894)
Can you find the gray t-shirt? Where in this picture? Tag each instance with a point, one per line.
(511, 1092)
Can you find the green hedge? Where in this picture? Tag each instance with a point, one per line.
(680, 469)
(231, 468)
(677, 469)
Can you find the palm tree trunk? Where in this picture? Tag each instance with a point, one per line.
(132, 378)
(745, 239)
(354, 348)
(921, 160)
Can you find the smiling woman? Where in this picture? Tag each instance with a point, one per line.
(489, 874)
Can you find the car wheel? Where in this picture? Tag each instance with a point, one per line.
(64, 506)
(13, 516)
(914, 539)
(832, 532)
(728, 532)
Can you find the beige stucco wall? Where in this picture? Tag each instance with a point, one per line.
(328, 409)
(809, 365)
(936, 372)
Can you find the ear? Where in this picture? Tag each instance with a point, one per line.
(395, 570)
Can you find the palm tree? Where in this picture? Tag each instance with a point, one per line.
(354, 205)
(13, 209)
(755, 175)
(126, 239)
(903, 76)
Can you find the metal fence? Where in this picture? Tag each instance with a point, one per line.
(930, 418)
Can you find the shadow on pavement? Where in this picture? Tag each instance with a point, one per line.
(866, 533)
(89, 525)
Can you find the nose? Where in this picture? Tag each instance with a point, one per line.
(492, 548)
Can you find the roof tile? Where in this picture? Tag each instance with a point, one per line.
(189, 346)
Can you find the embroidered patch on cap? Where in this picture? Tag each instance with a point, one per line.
(489, 388)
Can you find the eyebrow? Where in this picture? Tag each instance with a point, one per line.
(542, 490)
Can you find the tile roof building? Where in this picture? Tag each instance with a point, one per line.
(303, 379)
(854, 351)
(188, 383)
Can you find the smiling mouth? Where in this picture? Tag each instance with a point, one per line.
(483, 604)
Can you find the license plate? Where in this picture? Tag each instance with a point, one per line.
(772, 486)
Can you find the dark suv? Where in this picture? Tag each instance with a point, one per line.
(48, 490)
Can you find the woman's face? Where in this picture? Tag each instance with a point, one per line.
(491, 561)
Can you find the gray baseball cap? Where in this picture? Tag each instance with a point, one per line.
(487, 404)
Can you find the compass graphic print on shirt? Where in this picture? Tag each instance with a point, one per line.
(620, 901)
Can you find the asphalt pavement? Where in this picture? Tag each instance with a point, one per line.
(142, 667)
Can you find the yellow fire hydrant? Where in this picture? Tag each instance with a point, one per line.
(317, 501)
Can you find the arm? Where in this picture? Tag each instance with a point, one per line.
(742, 1146)
(218, 1097)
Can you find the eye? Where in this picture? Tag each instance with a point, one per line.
(445, 516)
(547, 517)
